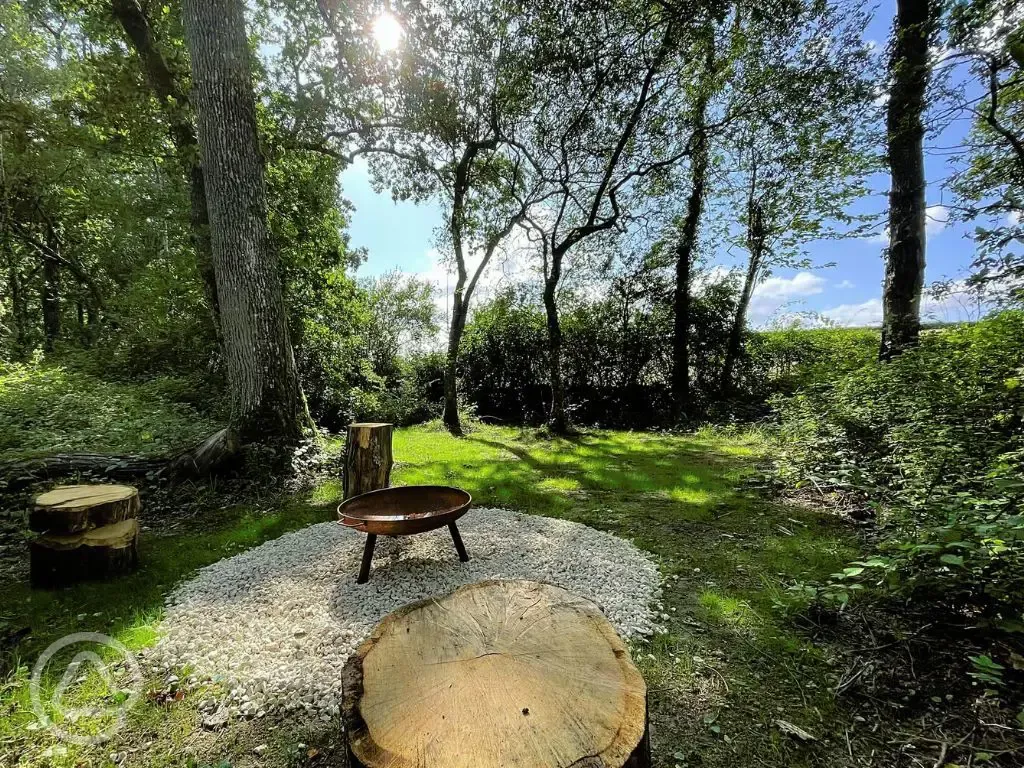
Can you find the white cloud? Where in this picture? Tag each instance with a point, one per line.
(777, 292)
(512, 263)
(846, 284)
(800, 284)
(866, 313)
(958, 305)
(937, 219)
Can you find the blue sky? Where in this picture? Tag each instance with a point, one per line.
(402, 236)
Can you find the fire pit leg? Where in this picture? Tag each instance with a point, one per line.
(364, 568)
(459, 546)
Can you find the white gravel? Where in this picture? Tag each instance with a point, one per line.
(276, 624)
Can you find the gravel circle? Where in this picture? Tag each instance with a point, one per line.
(275, 624)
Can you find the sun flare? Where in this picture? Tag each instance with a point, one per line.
(387, 32)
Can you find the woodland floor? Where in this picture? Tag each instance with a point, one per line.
(870, 691)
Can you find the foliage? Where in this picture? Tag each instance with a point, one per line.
(47, 408)
(786, 360)
(616, 353)
(934, 442)
(989, 182)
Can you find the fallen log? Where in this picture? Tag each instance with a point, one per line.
(210, 456)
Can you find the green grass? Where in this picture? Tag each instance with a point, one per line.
(728, 665)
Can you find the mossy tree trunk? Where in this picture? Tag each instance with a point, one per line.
(909, 70)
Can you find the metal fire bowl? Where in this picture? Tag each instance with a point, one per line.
(404, 510)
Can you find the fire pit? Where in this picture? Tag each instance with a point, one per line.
(404, 511)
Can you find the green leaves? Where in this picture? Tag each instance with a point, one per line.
(933, 443)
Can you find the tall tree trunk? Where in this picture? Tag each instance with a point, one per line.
(266, 400)
(173, 99)
(19, 311)
(450, 416)
(685, 252)
(756, 236)
(558, 421)
(51, 303)
(905, 258)
(688, 237)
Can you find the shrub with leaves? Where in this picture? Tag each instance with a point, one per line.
(934, 441)
(47, 409)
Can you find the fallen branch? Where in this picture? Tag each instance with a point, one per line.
(210, 456)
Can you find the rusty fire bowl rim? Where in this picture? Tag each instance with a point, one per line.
(401, 525)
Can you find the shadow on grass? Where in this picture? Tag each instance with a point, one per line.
(727, 664)
(126, 608)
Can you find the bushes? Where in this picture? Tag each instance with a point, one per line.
(785, 360)
(48, 409)
(934, 441)
(617, 359)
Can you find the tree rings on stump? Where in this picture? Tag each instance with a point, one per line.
(368, 458)
(98, 553)
(500, 673)
(75, 508)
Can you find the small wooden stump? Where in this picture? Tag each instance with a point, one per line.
(87, 532)
(368, 458)
(95, 554)
(500, 673)
(74, 508)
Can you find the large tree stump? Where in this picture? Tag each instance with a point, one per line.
(94, 554)
(368, 458)
(501, 673)
(75, 508)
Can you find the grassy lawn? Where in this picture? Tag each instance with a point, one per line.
(729, 666)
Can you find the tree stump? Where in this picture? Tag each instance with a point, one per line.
(94, 554)
(88, 532)
(500, 673)
(76, 508)
(368, 458)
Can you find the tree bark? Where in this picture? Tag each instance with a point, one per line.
(450, 415)
(685, 253)
(266, 400)
(558, 421)
(756, 237)
(905, 257)
(51, 303)
(98, 553)
(174, 101)
(464, 285)
(19, 312)
(687, 246)
(368, 458)
(77, 508)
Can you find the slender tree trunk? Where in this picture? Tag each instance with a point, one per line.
(558, 422)
(905, 258)
(756, 236)
(685, 252)
(687, 247)
(450, 416)
(51, 303)
(172, 97)
(19, 312)
(266, 401)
